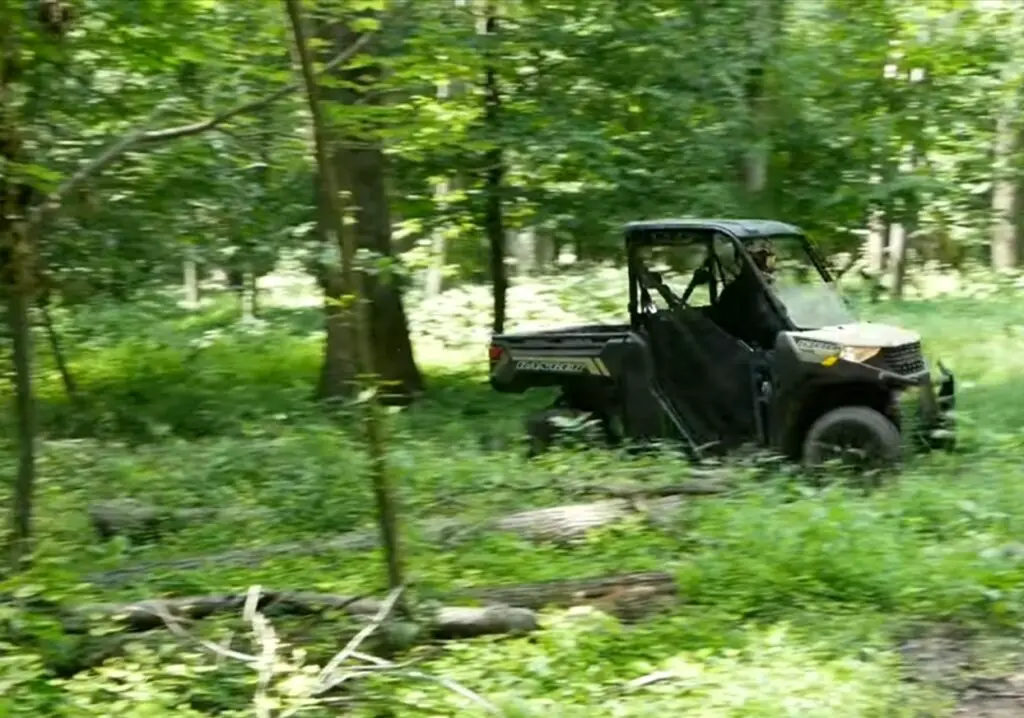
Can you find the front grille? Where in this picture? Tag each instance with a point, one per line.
(902, 360)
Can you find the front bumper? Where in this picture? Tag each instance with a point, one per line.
(936, 424)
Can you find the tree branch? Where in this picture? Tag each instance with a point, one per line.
(173, 133)
(327, 679)
(143, 135)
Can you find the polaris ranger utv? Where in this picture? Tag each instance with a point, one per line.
(736, 336)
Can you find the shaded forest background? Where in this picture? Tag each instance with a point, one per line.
(178, 297)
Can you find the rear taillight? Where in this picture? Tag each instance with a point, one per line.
(494, 353)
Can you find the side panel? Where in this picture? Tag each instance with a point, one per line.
(647, 414)
(543, 361)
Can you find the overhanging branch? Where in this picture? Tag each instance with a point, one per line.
(144, 135)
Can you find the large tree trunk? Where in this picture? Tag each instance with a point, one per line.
(494, 177)
(16, 284)
(361, 170)
(767, 19)
(387, 513)
(1005, 241)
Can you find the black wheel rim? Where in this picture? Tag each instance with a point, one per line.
(852, 444)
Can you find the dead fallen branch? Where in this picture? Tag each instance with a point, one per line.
(446, 622)
(605, 590)
(141, 521)
(508, 610)
(449, 622)
(692, 488)
(557, 524)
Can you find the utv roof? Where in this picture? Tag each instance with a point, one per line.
(741, 228)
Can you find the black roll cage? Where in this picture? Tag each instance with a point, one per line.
(668, 234)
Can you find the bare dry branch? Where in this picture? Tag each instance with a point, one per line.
(327, 680)
(448, 683)
(174, 626)
(266, 637)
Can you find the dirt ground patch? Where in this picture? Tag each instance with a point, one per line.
(985, 675)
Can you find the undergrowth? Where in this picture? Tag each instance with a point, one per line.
(792, 597)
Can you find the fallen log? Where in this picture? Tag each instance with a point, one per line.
(446, 622)
(145, 522)
(148, 614)
(575, 591)
(693, 488)
(558, 523)
(508, 610)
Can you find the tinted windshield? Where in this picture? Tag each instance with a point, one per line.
(810, 301)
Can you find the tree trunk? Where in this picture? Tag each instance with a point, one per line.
(494, 162)
(1004, 239)
(1018, 207)
(877, 242)
(544, 252)
(16, 283)
(897, 259)
(360, 169)
(248, 296)
(387, 515)
(18, 302)
(526, 252)
(434, 283)
(767, 17)
(190, 276)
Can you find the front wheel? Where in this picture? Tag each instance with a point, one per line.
(857, 436)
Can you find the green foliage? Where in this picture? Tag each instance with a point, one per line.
(792, 598)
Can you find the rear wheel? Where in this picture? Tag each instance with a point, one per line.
(857, 436)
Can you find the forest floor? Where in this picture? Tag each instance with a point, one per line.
(793, 600)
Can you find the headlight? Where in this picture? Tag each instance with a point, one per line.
(858, 354)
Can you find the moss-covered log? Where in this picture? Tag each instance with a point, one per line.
(558, 524)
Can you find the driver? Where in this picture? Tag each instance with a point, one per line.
(763, 254)
(743, 309)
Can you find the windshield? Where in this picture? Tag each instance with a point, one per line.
(697, 271)
(810, 301)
